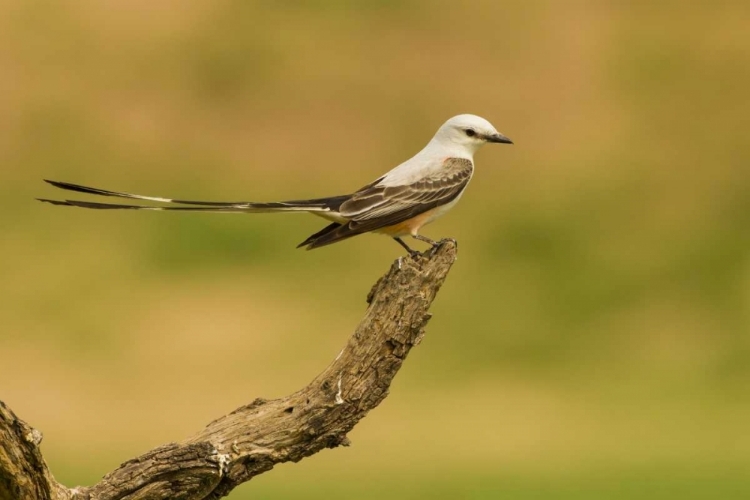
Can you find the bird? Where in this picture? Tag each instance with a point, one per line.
(397, 204)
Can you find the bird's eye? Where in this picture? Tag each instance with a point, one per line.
(470, 132)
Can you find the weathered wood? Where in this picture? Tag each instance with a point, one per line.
(252, 439)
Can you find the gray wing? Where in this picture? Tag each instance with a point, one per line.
(376, 206)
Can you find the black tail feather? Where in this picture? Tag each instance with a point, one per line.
(105, 192)
(332, 233)
(116, 206)
(313, 205)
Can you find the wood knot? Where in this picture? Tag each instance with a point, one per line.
(34, 437)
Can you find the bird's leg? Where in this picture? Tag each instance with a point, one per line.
(425, 239)
(413, 253)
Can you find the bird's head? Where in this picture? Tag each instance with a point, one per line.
(469, 132)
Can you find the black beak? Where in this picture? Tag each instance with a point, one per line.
(499, 138)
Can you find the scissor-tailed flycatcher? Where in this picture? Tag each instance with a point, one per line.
(397, 204)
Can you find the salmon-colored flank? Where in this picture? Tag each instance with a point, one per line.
(409, 226)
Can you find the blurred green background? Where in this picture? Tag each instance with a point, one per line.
(591, 342)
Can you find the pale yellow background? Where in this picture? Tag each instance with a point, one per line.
(591, 342)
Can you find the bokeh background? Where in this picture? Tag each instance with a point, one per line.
(591, 342)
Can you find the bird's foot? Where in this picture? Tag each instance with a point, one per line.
(412, 253)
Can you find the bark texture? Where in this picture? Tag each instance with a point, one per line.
(252, 439)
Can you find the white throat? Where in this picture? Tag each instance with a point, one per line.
(446, 147)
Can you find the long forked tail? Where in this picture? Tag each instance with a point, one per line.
(317, 205)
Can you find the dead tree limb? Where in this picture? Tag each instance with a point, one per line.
(252, 439)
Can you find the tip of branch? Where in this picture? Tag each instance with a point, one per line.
(446, 249)
(438, 258)
(446, 245)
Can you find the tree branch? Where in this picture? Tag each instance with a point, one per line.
(252, 439)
